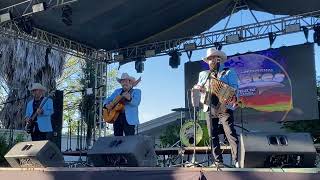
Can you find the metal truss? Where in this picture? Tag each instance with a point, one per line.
(100, 82)
(38, 36)
(41, 37)
(259, 30)
(25, 8)
(254, 31)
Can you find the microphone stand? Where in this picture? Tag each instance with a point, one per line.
(193, 161)
(210, 117)
(210, 106)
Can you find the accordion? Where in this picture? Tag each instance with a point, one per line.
(224, 92)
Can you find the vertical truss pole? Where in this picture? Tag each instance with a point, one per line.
(100, 82)
(101, 95)
(95, 103)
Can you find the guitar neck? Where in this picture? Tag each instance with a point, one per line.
(34, 115)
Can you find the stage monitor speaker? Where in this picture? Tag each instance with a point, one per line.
(35, 154)
(285, 150)
(127, 151)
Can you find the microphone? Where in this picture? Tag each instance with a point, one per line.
(218, 65)
(216, 70)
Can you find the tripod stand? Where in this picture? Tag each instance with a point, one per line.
(188, 136)
(194, 163)
(195, 100)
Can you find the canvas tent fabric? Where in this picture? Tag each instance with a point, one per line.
(113, 24)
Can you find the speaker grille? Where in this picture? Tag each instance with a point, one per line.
(277, 150)
(131, 151)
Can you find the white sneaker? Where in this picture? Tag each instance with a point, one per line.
(217, 165)
(236, 164)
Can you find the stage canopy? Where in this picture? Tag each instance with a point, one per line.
(113, 24)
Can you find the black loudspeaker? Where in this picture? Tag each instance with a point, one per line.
(127, 151)
(35, 154)
(56, 118)
(286, 150)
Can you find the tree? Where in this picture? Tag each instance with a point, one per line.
(311, 126)
(170, 136)
(23, 63)
(88, 100)
(79, 75)
(70, 83)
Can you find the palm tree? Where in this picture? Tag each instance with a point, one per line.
(23, 63)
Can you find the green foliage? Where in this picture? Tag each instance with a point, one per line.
(311, 126)
(170, 135)
(112, 82)
(5, 146)
(70, 83)
(19, 138)
(77, 76)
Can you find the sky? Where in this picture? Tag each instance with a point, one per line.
(163, 87)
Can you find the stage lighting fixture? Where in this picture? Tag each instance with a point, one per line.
(174, 60)
(217, 45)
(272, 36)
(316, 34)
(290, 28)
(150, 53)
(38, 7)
(190, 46)
(139, 65)
(66, 15)
(5, 17)
(118, 57)
(233, 38)
(305, 32)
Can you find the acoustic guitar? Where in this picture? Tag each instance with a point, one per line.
(117, 106)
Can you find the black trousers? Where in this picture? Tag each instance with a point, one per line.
(230, 132)
(121, 126)
(36, 135)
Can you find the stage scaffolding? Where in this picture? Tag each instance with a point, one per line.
(100, 86)
(258, 30)
(104, 58)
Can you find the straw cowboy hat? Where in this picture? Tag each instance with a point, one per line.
(35, 86)
(126, 76)
(214, 52)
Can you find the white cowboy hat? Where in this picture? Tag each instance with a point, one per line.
(35, 86)
(215, 52)
(126, 76)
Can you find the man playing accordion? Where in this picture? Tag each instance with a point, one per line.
(218, 87)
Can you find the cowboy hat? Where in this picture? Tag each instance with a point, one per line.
(215, 52)
(35, 86)
(126, 76)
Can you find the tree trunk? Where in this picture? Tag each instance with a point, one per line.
(23, 63)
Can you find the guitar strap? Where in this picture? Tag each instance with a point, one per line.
(35, 106)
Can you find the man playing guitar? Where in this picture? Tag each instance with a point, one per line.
(128, 118)
(215, 59)
(38, 114)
